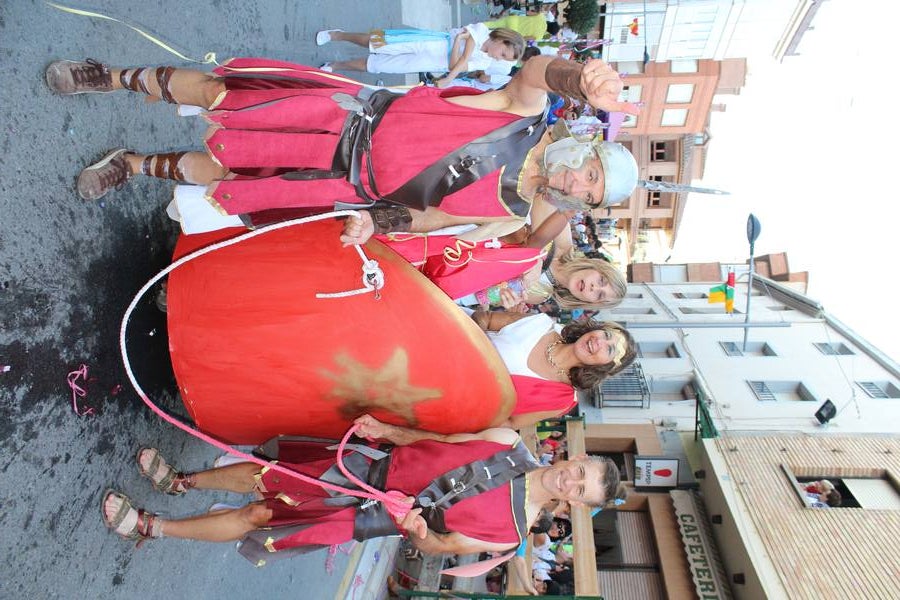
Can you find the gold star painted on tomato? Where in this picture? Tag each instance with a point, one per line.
(363, 389)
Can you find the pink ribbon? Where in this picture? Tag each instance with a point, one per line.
(78, 391)
(394, 501)
(357, 583)
(344, 548)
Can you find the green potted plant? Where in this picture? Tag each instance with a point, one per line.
(582, 15)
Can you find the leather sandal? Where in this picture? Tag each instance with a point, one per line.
(129, 523)
(163, 476)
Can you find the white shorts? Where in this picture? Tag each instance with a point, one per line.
(409, 57)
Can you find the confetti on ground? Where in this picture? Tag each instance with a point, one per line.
(344, 548)
(77, 390)
(116, 389)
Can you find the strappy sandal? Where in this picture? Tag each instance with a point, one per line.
(139, 525)
(163, 476)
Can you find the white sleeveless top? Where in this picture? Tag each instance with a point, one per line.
(515, 342)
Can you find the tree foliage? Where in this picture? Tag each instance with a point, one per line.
(582, 15)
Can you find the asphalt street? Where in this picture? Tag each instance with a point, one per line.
(68, 269)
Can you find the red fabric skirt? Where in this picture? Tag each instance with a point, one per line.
(277, 117)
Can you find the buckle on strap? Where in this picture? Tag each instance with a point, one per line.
(465, 164)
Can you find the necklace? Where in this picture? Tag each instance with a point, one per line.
(549, 354)
(550, 276)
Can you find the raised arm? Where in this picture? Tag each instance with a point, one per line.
(373, 429)
(594, 82)
(358, 230)
(494, 320)
(548, 230)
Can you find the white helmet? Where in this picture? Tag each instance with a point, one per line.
(620, 170)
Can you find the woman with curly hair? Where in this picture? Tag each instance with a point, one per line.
(547, 364)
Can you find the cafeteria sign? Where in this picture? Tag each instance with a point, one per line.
(655, 471)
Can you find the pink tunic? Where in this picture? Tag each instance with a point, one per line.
(412, 468)
(284, 119)
(458, 267)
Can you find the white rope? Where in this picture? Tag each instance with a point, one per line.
(378, 279)
(372, 278)
(184, 259)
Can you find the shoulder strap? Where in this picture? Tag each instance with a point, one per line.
(473, 479)
(471, 162)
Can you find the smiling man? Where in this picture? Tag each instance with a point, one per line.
(443, 475)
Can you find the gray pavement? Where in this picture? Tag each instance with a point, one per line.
(68, 269)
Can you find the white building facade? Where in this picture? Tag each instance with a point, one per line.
(699, 29)
(795, 359)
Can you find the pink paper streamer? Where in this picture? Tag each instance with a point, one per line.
(78, 391)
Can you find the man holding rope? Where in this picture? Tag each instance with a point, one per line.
(287, 140)
(448, 483)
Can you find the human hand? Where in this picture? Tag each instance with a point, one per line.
(413, 523)
(511, 300)
(602, 85)
(443, 82)
(358, 230)
(371, 428)
(482, 318)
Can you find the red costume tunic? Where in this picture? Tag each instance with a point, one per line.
(302, 520)
(534, 394)
(459, 267)
(277, 117)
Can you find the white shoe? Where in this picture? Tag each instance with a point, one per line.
(327, 68)
(324, 36)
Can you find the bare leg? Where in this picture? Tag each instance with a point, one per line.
(195, 167)
(187, 86)
(357, 64)
(237, 477)
(221, 526)
(360, 39)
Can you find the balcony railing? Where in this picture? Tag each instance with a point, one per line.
(627, 388)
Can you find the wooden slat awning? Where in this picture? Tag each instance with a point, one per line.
(700, 547)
